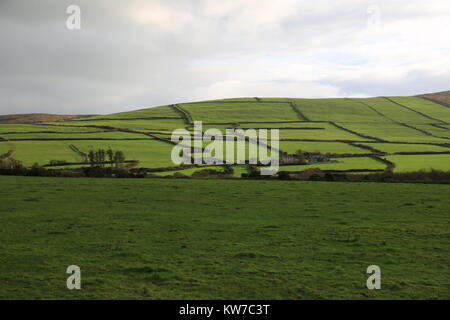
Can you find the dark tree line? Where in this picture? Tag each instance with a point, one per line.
(100, 157)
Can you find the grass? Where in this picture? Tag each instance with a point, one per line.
(359, 163)
(394, 111)
(440, 132)
(324, 147)
(427, 107)
(41, 152)
(188, 172)
(330, 132)
(164, 111)
(138, 125)
(4, 147)
(240, 112)
(392, 132)
(339, 110)
(71, 136)
(11, 128)
(230, 239)
(394, 147)
(409, 163)
(222, 239)
(369, 119)
(299, 130)
(237, 171)
(150, 153)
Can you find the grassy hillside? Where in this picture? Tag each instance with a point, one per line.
(378, 127)
(222, 239)
(439, 97)
(35, 118)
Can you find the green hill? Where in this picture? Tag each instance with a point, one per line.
(357, 134)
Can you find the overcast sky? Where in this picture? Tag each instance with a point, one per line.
(136, 54)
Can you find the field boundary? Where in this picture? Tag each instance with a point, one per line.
(355, 133)
(433, 100)
(400, 123)
(296, 109)
(413, 110)
(186, 116)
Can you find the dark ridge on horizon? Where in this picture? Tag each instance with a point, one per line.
(442, 97)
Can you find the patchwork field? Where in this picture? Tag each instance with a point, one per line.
(241, 111)
(379, 126)
(338, 110)
(163, 238)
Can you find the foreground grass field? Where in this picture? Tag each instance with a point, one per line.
(222, 239)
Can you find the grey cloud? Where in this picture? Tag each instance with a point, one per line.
(132, 54)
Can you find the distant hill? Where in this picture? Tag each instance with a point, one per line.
(439, 97)
(36, 118)
(405, 134)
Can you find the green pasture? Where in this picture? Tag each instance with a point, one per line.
(12, 128)
(358, 163)
(150, 153)
(424, 106)
(337, 110)
(394, 111)
(240, 112)
(237, 171)
(41, 152)
(323, 147)
(392, 132)
(167, 125)
(409, 163)
(73, 136)
(395, 147)
(222, 239)
(437, 131)
(155, 112)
